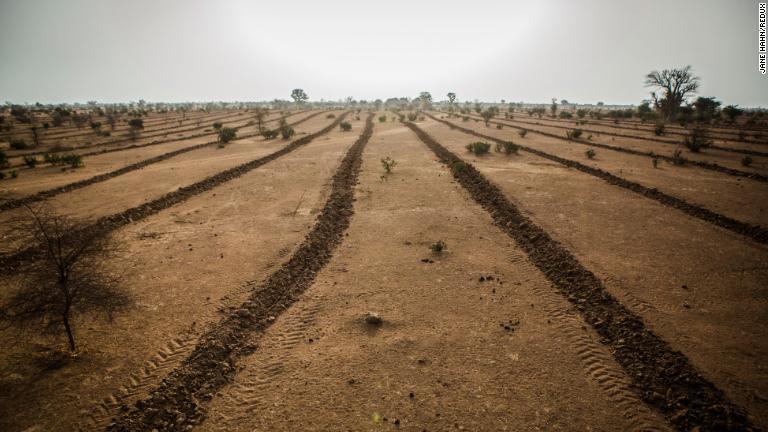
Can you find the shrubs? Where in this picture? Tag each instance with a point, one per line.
(746, 161)
(71, 159)
(458, 167)
(499, 126)
(523, 132)
(697, 140)
(285, 129)
(217, 125)
(382, 119)
(18, 144)
(388, 164)
(438, 246)
(655, 162)
(659, 129)
(270, 134)
(3, 159)
(573, 134)
(590, 154)
(30, 161)
(465, 118)
(345, 126)
(478, 148)
(226, 135)
(507, 147)
(412, 116)
(330, 116)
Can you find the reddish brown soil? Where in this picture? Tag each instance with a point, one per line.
(475, 338)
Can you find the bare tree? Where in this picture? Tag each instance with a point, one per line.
(676, 85)
(65, 278)
(299, 96)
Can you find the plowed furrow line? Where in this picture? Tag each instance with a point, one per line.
(754, 232)
(716, 134)
(148, 134)
(9, 263)
(660, 376)
(249, 394)
(46, 194)
(701, 164)
(177, 403)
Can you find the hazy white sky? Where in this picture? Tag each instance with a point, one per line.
(185, 50)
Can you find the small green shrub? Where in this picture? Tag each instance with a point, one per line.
(478, 148)
(507, 147)
(655, 162)
(458, 167)
(330, 116)
(286, 131)
(746, 161)
(590, 154)
(30, 161)
(73, 160)
(3, 159)
(382, 119)
(465, 118)
(412, 116)
(227, 134)
(388, 164)
(659, 129)
(270, 134)
(217, 125)
(573, 133)
(18, 144)
(697, 139)
(499, 126)
(345, 126)
(523, 132)
(438, 246)
(14, 173)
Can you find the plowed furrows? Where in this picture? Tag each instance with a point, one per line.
(150, 374)
(161, 362)
(102, 151)
(660, 376)
(643, 138)
(9, 263)
(599, 366)
(150, 121)
(147, 124)
(247, 396)
(754, 232)
(701, 164)
(176, 404)
(721, 135)
(150, 128)
(46, 194)
(148, 134)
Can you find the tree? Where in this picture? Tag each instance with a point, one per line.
(260, 114)
(299, 96)
(732, 111)
(488, 115)
(451, 98)
(706, 108)
(553, 107)
(136, 126)
(66, 278)
(425, 99)
(676, 85)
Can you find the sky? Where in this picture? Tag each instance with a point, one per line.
(584, 51)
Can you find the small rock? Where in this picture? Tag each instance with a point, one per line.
(373, 318)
